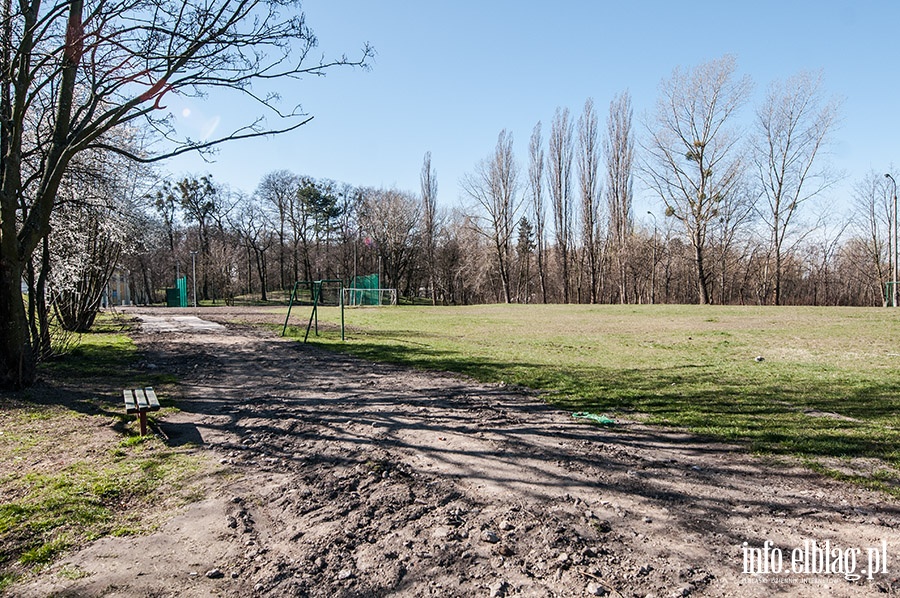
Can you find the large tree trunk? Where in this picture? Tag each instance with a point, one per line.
(261, 270)
(17, 360)
(702, 282)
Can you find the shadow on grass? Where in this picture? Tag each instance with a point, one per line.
(796, 412)
(114, 361)
(310, 410)
(89, 381)
(91, 490)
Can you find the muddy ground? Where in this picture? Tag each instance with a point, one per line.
(336, 477)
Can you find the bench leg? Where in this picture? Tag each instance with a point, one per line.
(143, 417)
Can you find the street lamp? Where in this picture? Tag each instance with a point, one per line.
(653, 270)
(194, 275)
(894, 294)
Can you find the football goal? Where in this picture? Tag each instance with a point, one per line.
(354, 297)
(366, 290)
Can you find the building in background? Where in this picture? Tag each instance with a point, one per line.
(118, 291)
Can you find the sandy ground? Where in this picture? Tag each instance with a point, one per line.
(337, 477)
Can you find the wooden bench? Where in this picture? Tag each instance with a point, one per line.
(140, 401)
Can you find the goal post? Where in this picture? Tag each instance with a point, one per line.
(366, 290)
(355, 297)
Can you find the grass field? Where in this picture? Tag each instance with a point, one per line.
(72, 467)
(826, 389)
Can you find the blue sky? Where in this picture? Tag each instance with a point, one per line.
(448, 76)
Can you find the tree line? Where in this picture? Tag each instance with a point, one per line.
(83, 122)
(744, 216)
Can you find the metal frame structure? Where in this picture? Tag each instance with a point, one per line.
(316, 299)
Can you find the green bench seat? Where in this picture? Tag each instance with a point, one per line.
(140, 401)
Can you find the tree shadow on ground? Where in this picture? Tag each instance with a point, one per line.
(808, 417)
(303, 407)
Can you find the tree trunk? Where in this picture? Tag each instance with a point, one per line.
(281, 252)
(249, 271)
(17, 360)
(541, 274)
(261, 269)
(702, 286)
(43, 310)
(564, 268)
(776, 291)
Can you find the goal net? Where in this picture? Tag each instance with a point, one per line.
(357, 297)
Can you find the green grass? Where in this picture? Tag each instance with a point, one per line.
(827, 387)
(96, 354)
(53, 510)
(72, 468)
(107, 353)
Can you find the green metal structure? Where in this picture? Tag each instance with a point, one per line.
(889, 292)
(177, 296)
(315, 290)
(181, 285)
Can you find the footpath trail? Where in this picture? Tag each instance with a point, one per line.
(338, 477)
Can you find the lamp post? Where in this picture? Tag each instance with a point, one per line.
(894, 293)
(194, 275)
(653, 270)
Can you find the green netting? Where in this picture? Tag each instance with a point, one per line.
(181, 285)
(889, 292)
(364, 290)
(177, 296)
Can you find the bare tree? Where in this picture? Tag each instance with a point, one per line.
(428, 179)
(538, 211)
(793, 126)
(693, 160)
(278, 191)
(619, 151)
(730, 231)
(255, 233)
(348, 231)
(874, 221)
(821, 251)
(559, 182)
(589, 185)
(75, 71)
(494, 186)
(201, 203)
(392, 219)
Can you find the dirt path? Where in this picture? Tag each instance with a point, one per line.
(340, 477)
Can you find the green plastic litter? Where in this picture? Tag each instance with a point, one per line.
(600, 419)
